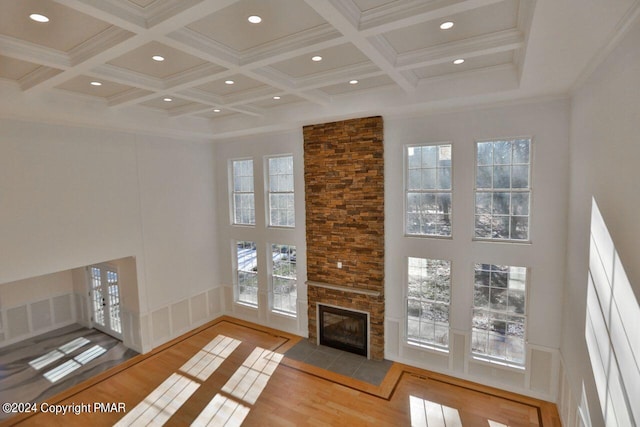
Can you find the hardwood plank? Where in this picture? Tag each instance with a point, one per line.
(291, 394)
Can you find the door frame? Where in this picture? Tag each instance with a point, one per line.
(106, 328)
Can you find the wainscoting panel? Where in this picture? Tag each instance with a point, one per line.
(161, 324)
(62, 308)
(214, 298)
(392, 338)
(18, 321)
(41, 317)
(180, 317)
(198, 308)
(458, 347)
(36, 317)
(542, 371)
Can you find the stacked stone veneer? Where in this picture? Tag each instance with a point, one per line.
(344, 196)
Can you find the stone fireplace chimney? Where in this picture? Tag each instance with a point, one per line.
(344, 197)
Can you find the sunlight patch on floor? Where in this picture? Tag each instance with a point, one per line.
(161, 403)
(58, 354)
(207, 360)
(222, 411)
(425, 413)
(251, 378)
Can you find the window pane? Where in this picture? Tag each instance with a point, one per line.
(247, 277)
(502, 168)
(521, 151)
(501, 177)
(520, 176)
(428, 190)
(444, 178)
(428, 291)
(502, 152)
(281, 187)
(484, 177)
(428, 179)
(498, 324)
(284, 282)
(242, 198)
(429, 156)
(485, 153)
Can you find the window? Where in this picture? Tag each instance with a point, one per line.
(428, 297)
(428, 190)
(499, 310)
(244, 211)
(503, 189)
(247, 273)
(281, 198)
(284, 284)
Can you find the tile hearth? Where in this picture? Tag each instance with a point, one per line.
(340, 362)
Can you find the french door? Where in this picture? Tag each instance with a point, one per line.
(104, 293)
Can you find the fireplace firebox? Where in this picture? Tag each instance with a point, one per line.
(343, 329)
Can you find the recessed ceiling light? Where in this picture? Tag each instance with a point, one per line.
(446, 25)
(216, 110)
(157, 58)
(353, 82)
(229, 82)
(316, 58)
(38, 17)
(96, 84)
(276, 97)
(167, 99)
(254, 19)
(458, 61)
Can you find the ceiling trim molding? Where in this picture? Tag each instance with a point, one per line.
(477, 46)
(97, 44)
(30, 52)
(392, 17)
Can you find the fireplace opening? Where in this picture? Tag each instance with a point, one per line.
(343, 329)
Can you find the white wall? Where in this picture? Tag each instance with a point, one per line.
(547, 124)
(605, 151)
(73, 197)
(257, 148)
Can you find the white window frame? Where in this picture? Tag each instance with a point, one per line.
(511, 190)
(273, 276)
(424, 343)
(435, 192)
(269, 192)
(233, 192)
(237, 274)
(492, 358)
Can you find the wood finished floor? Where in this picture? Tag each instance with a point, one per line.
(292, 394)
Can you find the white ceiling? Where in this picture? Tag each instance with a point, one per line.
(403, 61)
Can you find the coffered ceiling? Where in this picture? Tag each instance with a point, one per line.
(221, 75)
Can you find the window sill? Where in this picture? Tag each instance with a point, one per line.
(510, 241)
(427, 347)
(247, 304)
(284, 314)
(428, 236)
(495, 363)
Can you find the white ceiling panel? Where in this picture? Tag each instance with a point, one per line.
(544, 45)
(280, 19)
(141, 60)
(484, 20)
(333, 58)
(66, 29)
